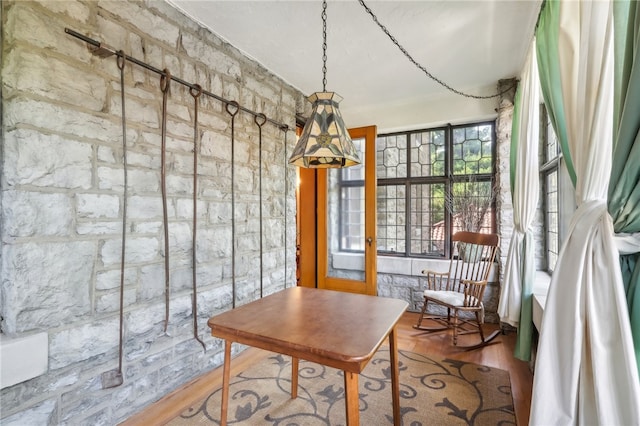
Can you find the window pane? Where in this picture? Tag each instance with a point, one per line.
(553, 148)
(391, 156)
(428, 229)
(417, 171)
(352, 218)
(427, 153)
(473, 149)
(471, 206)
(552, 226)
(355, 172)
(391, 219)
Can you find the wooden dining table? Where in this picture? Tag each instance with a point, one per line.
(332, 328)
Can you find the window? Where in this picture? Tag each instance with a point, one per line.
(549, 172)
(351, 202)
(422, 175)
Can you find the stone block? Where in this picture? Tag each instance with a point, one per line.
(101, 417)
(111, 178)
(216, 243)
(122, 398)
(137, 112)
(152, 282)
(180, 239)
(80, 343)
(143, 181)
(184, 208)
(216, 145)
(80, 408)
(147, 227)
(29, 214)
(46, 160)
(98, 228)
(182, 277)
(88, 384)
(406, 281)
(106, 154)
(179, 185)
(215, 301)
(213, 122)
(183, 164)
(273, 233)
(41, 414)
(218, 60)
(208, 274)
(32, 25)
(46, 285)
(146, 160)
(145, 320)
(59, 119)
(248, 242)
(145, 20)
(137, 250)
(147, 207)
(108, 280)
(110, 302)
(51, 78)
(181, 130)
(98, 205)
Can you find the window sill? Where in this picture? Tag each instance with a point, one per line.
(540, 290)
(396, 265)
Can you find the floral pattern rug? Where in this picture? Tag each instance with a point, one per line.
(432, 392)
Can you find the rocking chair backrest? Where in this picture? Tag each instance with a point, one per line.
(473, 255)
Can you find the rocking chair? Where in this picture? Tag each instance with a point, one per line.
(461, 288)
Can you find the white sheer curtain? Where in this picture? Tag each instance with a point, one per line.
(586, 371)
(515, 296)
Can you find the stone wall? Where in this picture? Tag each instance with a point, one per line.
(504, 203)
(63, 200)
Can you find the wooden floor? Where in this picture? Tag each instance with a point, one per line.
(498, 355)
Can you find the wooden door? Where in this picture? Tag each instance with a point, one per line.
(346, 221)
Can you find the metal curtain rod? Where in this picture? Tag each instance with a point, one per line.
(111, 51)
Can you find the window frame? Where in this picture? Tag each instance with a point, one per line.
(549, 166)
(447, 179)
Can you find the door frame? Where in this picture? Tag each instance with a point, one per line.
(369, 285)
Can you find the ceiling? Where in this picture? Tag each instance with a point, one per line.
(469, 45)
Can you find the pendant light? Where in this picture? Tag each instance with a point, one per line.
(325, 141)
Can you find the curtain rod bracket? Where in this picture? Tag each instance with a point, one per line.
(102, 51)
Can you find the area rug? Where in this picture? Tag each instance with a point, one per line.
(432, 392)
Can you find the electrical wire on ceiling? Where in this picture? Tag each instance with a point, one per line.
(421, 67)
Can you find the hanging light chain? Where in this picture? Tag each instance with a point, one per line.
(422, 68)
(324, 45)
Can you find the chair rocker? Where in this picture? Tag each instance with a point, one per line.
(461, 289)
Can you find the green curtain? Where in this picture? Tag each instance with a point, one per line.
(549, 72)
(624, 186)
(522, 348)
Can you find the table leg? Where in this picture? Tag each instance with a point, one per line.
(294, 377)
(395, 382)
(225, 383)
(352, 402)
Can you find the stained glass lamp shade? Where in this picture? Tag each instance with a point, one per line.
(324, 142)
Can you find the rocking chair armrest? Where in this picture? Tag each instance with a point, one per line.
(436, 280)
(473, 292)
